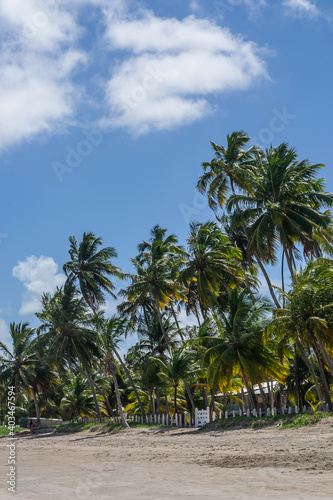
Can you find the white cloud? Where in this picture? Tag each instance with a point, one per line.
(185, 320)
(36, 94)
(173, 68)
(41, 25)
(36, 66)
(39, 275)
(4, 332)
(251, 4)
(301, 8)
(167, 68)
(195, 6)
(225, 7)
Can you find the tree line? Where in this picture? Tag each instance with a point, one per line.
(268, 209)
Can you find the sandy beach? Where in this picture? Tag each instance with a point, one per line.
(174, 464)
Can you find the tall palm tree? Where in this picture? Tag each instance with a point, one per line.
(18, 365)
(106, 342)
(238, 343)
(155, 279)
(283, 205)
(307, 319)
(212, 263)
(178, 368)
(111, 332)
(77, 400)
(66, 334)
(228, 169)
(92, 268)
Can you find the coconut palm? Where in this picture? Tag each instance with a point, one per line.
(228, 169)
(156, 269)
(113, 331)
(78, 400)
(283, 205)
(307, 319)
(92, 268)
(19, 365)
(109, 335)
(212, 263)
(66, 334)
(239, 342)
(178, 368)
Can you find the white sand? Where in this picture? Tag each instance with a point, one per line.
(175, 464)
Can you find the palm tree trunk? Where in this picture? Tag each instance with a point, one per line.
(176, 320)
(311, 370)
(166, 400)
(328, 360)
(190, 397)
(158, 400)
(297, 382)
(288, 255)
(282, 280)
(212, 401)
(205, 398)
(249, 392)
(107, 402)
(269, 391)
(328, 398)
(263, 397)
(120, 408)
(272, 395)
(126, 370)
(197, 315)
(175, 399)
(261, 265)
(98, 411)
(268, 281)
(153, 402)
(161, 323)
(36, 405)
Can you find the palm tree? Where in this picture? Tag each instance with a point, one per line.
(282, 205)
(18, 366)
(92, 268)
(178, 368)
(113, 331)
(77, 400)
(151, 339)
(66, 334)
(212, 263)
(156, 268)
(307, 319)
(228, 169)
(238, 343)
(108, 337)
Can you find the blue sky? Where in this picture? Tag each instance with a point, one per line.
(107, 109)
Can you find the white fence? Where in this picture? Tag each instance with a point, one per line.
(184, 420)
(202, 417)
